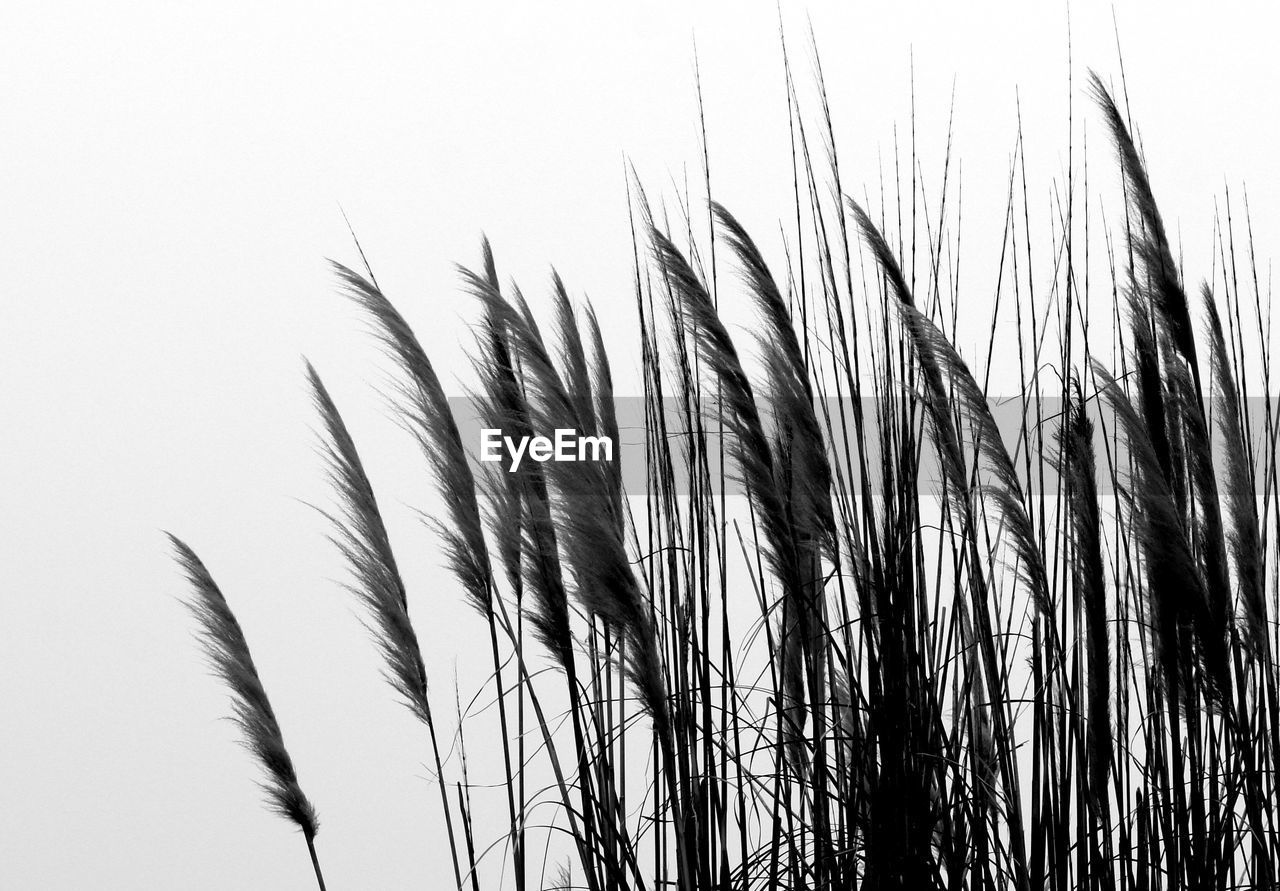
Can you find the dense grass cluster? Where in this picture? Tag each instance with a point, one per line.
(854, 631)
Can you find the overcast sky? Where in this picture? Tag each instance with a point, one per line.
(171, 178)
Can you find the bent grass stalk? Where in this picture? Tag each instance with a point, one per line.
(231, 662)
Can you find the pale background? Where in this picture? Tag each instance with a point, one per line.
(170, 183)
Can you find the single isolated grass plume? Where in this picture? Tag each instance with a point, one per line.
(229, 659)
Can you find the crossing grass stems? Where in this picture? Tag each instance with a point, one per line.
(1051, 668)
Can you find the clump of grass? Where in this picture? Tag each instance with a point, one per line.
(854, 630)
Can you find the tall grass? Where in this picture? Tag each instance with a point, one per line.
(852, 630)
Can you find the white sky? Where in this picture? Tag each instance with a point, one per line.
(170, 182)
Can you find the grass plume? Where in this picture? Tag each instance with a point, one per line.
(229, 658)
